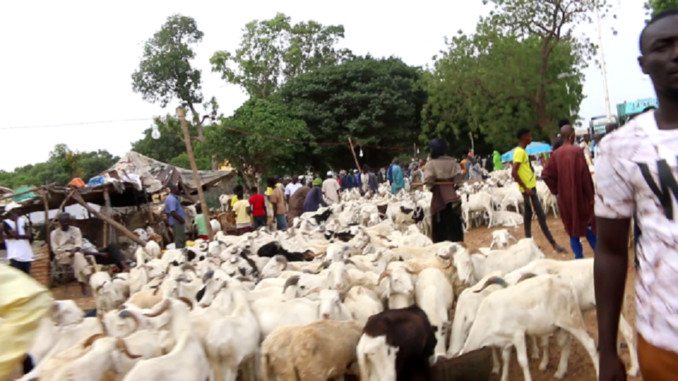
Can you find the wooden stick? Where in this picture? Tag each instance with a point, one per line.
(47, 224)
(354, 156)
(115, 224)
(194, 167)
(107, 201)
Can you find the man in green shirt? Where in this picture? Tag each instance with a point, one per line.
(527, 183)
(200, 224)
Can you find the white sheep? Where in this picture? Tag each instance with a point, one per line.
(536, 306)
(434, 296)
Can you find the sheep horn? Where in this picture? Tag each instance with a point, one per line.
(385, 274)
(348, 261)
(491, 281)
(120, 343)
(126, 314)
(90, 340)
(291, 281)
(208, 275)
(187, 301)
(412, 272)
(315, 290)
(526, 276)
(99, 287)
(163, 308)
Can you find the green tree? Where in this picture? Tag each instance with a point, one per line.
(165, 72)
(655, 6)
(255, 139)
(552, 24)
(485, 84)
(272, 51)
(63, 164)
(375, 102)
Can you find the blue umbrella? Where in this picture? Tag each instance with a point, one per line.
(534, 148)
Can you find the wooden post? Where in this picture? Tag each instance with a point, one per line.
(189, 150)
(47, 222)
(107, 201)
(112, 222)
(354, 156)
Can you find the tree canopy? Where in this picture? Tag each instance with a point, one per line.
(656, 6)
(256, 140)
(273, 51)
(63, 165)
(165, 72)
(376, 102)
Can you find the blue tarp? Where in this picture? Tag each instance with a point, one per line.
(534, 148)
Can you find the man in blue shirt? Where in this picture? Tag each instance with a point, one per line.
(176, 216)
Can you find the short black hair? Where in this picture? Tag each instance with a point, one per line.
(271, 181)
(648, 108)
(522, 132)
(254, 190)
(563, 122)
(661, 15)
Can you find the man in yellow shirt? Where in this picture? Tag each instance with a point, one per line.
(243, 221)
(527, 183)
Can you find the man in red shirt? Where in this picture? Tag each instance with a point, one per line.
(258, 204)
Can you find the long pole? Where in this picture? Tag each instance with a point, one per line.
(350, 142)
(189, 150)
(603, 69)
(119, 227)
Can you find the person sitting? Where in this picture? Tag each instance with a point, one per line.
(200, 224)
(67, 246)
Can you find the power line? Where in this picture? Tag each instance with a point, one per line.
(74, 124)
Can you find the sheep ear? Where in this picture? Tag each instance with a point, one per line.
(342, 295)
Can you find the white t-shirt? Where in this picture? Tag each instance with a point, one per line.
(331, 189)
(18, 249)
(628, 169)
(291, 188)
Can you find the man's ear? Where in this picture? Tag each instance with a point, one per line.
(641, 63)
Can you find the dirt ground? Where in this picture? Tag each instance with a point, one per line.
(579, 366)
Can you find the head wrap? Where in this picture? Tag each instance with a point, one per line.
(317, 182)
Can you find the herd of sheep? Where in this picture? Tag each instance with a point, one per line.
(356, 288)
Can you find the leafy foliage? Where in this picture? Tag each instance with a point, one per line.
(62, 166)
(170, 147)
(259, 143)
(165, 71)
(272, 51)
(374, 102)
(485, 84)
(656, 6)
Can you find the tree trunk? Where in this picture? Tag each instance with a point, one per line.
(198, 124)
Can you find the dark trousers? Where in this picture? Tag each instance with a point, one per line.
(446, 224)
(259, 221)
(533, 202)
(23, 266)
(115, 256)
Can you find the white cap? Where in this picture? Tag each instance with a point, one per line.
(12, 205)
(330, 174)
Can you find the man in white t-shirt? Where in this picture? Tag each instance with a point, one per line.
(331, 189)
(292, 187)
(636, 175)
(17, 238)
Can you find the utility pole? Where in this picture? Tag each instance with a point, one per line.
(181, 114)
(603, 69)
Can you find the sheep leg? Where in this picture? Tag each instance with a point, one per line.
(566, 344)
(583, 337)
(535, 348)
(545, 357)
(495, 361)
(627, 333)
(521, 352)
(506, 361)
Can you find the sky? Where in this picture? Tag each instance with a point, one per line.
(68, 64)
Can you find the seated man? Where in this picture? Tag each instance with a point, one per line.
(67, 245)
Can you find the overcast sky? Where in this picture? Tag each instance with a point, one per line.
(68, 63)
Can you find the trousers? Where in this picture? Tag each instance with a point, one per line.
(179, 231)
(575, 243)
(656, 364)
(81, 269)
(533, 202)
(23, 266)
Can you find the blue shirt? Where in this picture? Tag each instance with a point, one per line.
(314, 199)
(172, 204)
